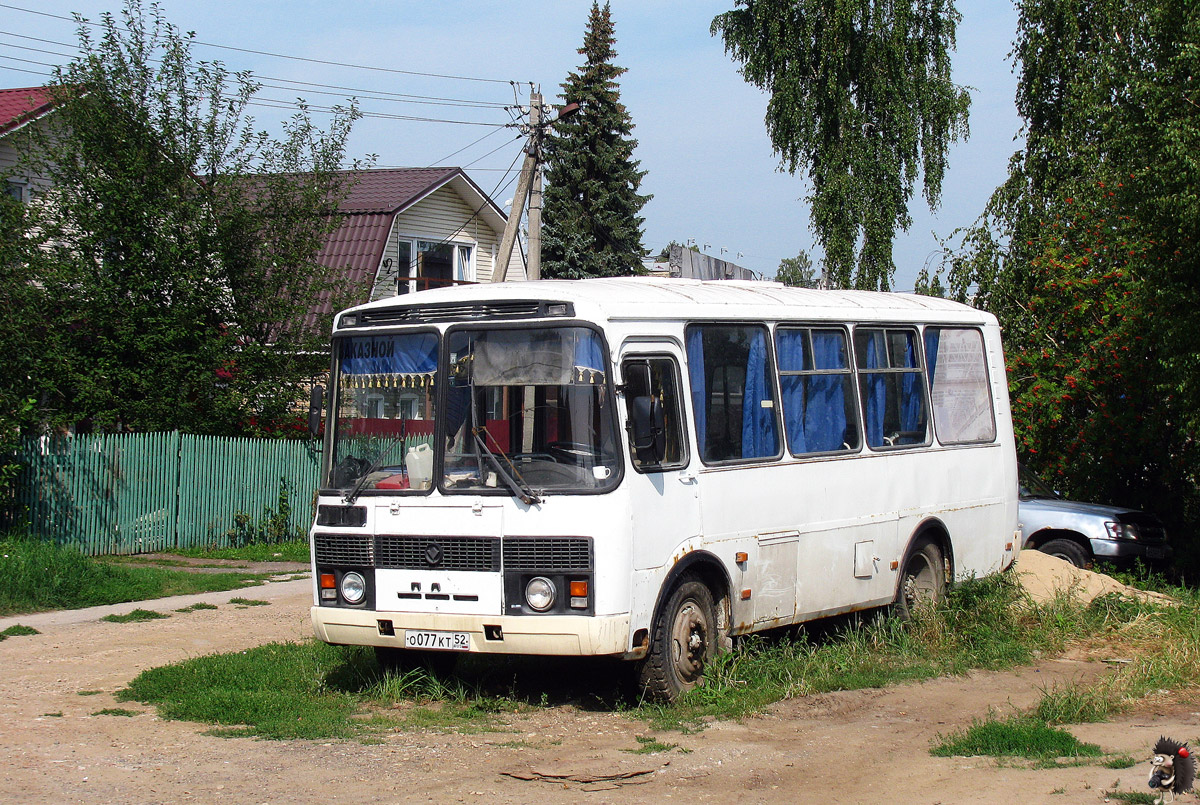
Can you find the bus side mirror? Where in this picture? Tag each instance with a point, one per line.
(647, 419)
(316, 402)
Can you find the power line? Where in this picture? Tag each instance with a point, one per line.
(373, 94)
(278, 103)
(81, 20)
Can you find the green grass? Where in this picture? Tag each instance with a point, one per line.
(1016, 736)
(90, 692)
(249, 602)
(42, 576)
(1135, 797)
(280, 690)
(136, 616)
(196, 607)
(652, 746)
(17, 630)
(117, 711)
(290, 551)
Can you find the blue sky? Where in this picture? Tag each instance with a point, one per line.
(699, 127)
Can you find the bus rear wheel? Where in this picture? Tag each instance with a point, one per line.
(683, 643)
(922, 579)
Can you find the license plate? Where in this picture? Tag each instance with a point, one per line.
(439, 641)
(1156, 553)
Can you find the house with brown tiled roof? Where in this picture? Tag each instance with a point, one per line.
(407, 229)
(19, 108)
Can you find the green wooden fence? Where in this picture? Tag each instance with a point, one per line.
(135, 493)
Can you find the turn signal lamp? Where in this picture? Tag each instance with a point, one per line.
(579, 594)
(328, 587)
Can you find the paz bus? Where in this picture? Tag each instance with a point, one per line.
(648, 468)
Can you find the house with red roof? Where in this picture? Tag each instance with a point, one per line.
(403, 230)
(407, 229)
(19, 108)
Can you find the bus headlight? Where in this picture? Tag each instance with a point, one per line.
(353, 588)
(540, 593)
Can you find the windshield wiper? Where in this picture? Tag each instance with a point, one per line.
(353, 494)
(518, 488)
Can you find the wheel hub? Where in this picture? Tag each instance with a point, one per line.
(689, 636)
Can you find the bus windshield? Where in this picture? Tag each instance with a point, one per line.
(385, 412)
(528, 411)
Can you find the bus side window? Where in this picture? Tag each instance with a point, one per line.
(664, 387)
(891, 387)
(818, 390)
(958, 382)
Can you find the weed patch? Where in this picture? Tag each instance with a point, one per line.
(196, 607)
(1135, 797)
(1016, 736)
(652, 746)
(136, 616)
(117, 711)
(17, 630)
(249, 602)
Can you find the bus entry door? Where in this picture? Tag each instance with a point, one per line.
(664, 494)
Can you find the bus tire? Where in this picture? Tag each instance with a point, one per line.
(403, 660)
(683, 643)
(922, 579)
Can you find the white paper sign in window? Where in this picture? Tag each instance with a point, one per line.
(958, 382)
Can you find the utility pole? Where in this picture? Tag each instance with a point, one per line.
(535, 190)
(529, 186)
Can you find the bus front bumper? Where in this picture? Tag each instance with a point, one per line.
(560, 635)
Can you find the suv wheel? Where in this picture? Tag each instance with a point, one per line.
(1068, 551)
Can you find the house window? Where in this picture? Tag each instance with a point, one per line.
(425, 264)
(17, 191)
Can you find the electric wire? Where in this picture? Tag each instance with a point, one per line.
(373, 94)
(279, 103)
(81, 20)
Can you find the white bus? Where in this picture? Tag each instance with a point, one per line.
(646, 468)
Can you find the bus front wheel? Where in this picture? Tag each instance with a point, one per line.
(683, 644)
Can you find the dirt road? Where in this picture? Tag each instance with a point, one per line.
(863, 746)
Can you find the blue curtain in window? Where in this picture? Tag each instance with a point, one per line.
(911, 393)
(589, 358)
(390, 354)
(789, 346)
(825, 406)
(932, 340)
(695, 359)
(875, 391)
(758, 423)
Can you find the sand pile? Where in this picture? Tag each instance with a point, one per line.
(1044, 576)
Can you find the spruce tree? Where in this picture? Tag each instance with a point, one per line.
(591, 225)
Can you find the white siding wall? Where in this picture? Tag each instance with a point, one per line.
(444, 215)
(9, 145)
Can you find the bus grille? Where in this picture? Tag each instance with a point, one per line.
(441, 553)
(480, 554)
(541, 554)
(344, 549)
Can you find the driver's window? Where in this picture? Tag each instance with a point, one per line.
(664, 387)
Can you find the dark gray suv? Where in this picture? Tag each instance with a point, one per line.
(1083, 532)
